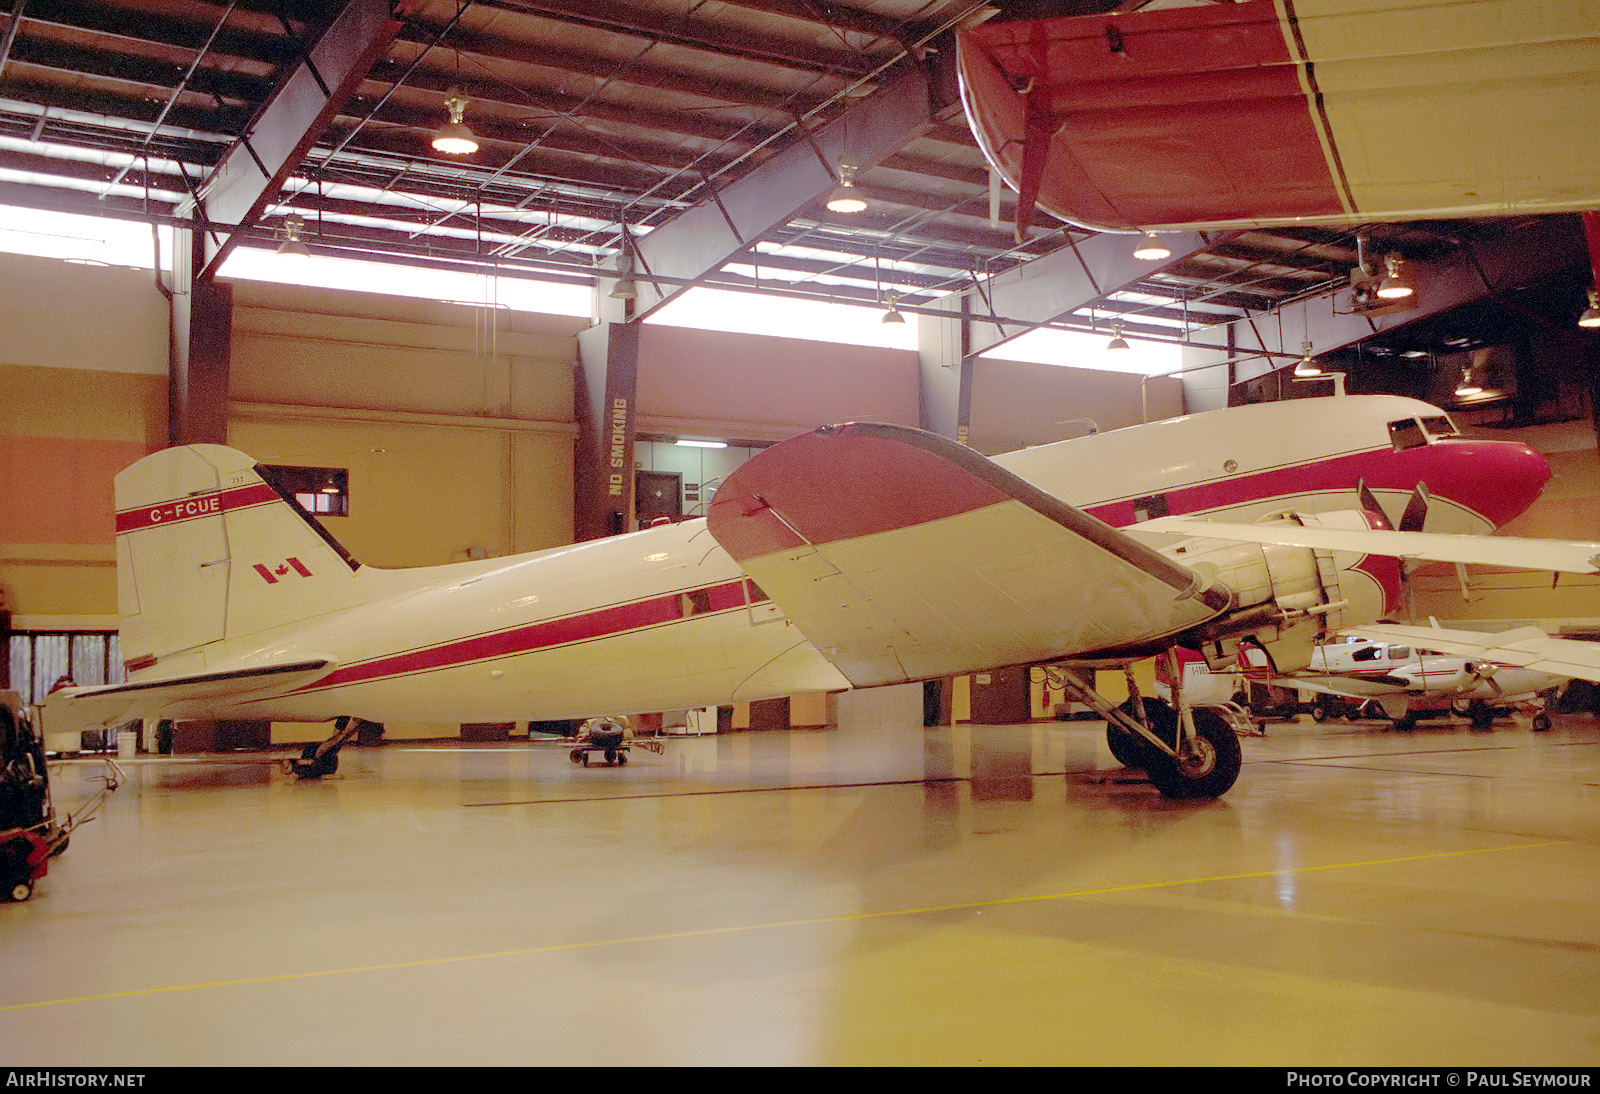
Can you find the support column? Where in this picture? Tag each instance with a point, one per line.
(944, 373)
(606, 387)
(200, 348)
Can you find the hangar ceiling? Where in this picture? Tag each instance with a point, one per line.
(693, 141)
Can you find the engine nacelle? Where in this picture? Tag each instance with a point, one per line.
(1285, 597)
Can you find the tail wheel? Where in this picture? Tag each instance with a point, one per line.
(1211, 767)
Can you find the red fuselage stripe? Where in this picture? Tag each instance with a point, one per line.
(571, 630)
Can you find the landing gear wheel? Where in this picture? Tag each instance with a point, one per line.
(622, 757)
(1541, 722)
(21, 891)
(308, 766)
(1210, 769)
(1406, 721)
(611, 755)
(1319, 712)
(576, 755)
(1135, 752)
(1482, 714)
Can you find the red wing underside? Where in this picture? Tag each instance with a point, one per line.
(903, 556)
(1276, 111)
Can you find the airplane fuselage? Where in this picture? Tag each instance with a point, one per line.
(664, 619)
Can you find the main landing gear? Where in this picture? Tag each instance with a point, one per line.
(1187, 752)
(322, 759)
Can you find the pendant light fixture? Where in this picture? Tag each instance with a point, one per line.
(453, 137)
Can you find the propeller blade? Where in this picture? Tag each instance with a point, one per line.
(1416, 514)
(1369, 500)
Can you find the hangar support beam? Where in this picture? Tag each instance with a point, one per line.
(199, 347)
(606, 387)
(1067, 280)
(698, 241)
(254, 168)
(1523, 256)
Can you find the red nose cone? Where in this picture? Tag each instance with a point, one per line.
(1495, 479)
(1514, 477)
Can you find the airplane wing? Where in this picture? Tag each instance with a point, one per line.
(1525, 647)
(1511, 551)
(902, 556)
(1350, 687)
(113, 704)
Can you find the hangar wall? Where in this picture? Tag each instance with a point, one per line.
(83, 392)
(1019, 403)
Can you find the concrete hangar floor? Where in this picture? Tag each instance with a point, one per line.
(875, 894)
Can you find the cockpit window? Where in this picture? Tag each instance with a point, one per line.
(1406, 433)
(1438, 425)
(1399, 653)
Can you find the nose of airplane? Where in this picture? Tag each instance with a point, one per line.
(1512, 476)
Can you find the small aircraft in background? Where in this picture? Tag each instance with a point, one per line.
(851, 556)
(1407, 683)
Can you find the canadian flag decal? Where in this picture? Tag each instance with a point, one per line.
(283, 569)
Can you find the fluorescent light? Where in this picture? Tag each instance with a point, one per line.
(685, 442)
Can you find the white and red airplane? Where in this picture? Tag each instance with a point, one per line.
(855, 555)
(1408, 681)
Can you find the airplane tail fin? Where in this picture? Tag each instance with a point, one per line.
(208, 549)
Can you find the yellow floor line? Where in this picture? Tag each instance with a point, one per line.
(818, 921)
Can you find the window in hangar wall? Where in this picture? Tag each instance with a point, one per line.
(115, 242)
(700, 466)
(320, 491)
(38, 659)
(1080, 349)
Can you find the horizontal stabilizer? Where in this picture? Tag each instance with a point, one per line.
(1524, 647)
(114, 704)
(903, 556)
(1562, 556)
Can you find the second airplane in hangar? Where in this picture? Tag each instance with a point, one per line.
(851, 556)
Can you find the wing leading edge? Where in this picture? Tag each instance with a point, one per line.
(903, 556)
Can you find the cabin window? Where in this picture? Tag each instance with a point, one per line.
(694, 603)
(1400, 653)
(1406, 433)
(1437, 425)
(1369, 654)
(321, 491)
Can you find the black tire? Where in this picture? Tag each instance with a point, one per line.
(622, 757)
(576, 755)
(309, 767)
(1133, 751)
(1319, 712)
(21, 890)
(1541, 722)
(1406, 721)
(1481, 713)
(1213, 768)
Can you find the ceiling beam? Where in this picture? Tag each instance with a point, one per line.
(255, 167)
(699, 240)
(1066, 281)
(1523, 255)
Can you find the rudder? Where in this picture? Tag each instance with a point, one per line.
(208, 550)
